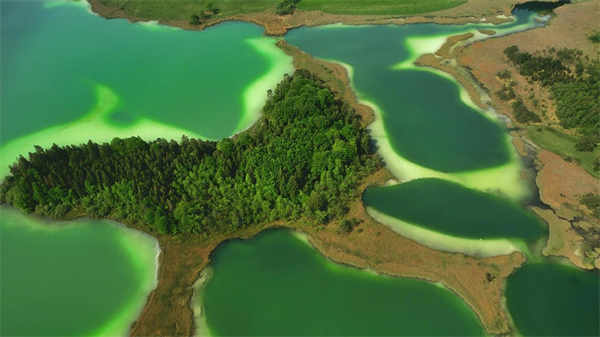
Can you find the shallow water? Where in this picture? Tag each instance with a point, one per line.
(69, 76)
(423, 114)
(78, 278)
(451, 209)
(277, 285)
(165, 82)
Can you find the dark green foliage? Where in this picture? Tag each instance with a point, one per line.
(304, 158)
(594, 37)
(504, 74)
(574, 82)
(540, 68)
(347, 225)
(587, 143)
(205, 14)
(286, 7)
(522, 114)
(506, 93)
(195, 20)
(592, 201)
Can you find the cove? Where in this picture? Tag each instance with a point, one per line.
(76, 278)
(452, 209)
(551, 299)
(427, 122)
(164, 82)
(277, 285)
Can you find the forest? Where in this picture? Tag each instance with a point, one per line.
(303, 159)
(573, 81)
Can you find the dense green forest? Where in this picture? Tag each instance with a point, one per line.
(574, 82)
(303, 159)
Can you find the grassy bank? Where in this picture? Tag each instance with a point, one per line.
(564, 145)
(184, 9)
(389, 7)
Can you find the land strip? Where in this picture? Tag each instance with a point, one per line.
(263, 13)
(560, 181)
(480, 282)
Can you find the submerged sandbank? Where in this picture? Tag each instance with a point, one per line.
(448, 243)
(94, 125)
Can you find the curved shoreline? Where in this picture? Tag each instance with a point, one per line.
(277, 25)
(179, 291)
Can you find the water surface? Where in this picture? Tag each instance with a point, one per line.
(423, 114)
(78, 278)
(452, 209)
(277, 285)
(164, 82)
(551, 299)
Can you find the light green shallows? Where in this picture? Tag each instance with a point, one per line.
(62, 66)
(78, 278)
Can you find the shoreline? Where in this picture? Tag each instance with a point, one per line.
(552, 177)
(374, 246)
(279, 25)
(176, 252)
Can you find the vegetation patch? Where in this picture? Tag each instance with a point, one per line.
(565, 146)
(303, 159)
(574, 82)
(185, 9)
(592, 201)
(381, 7)
(286, 7)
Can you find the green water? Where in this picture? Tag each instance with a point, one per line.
(451, 209)
(550, 299)
(74, 278)
(277, 285)
(428, 128)
(164, 82)
(68, 76)
(425, 119)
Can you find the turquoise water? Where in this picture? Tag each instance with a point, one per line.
(68, 76)
(77, 278)
(277, 285)
(428, 129)
(164, 82)
(424, 117)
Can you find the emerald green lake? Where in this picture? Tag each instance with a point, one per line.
(550, 299)
(424, 118)
(71, 76)
(78, 278)
(277, 285)
(452, 209)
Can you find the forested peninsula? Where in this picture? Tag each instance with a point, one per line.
(303, 159)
